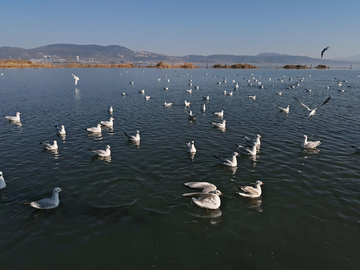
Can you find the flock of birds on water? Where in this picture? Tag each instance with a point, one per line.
(209, 196)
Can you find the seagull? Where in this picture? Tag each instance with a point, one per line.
(48, 203)
(309, 145)
(190, 147)
(229, 162)
(147, 97)
(313, 111)
(49, 146)
(357, 149)
(111, 109)
(15, 118)
(278, 93)
(285, 110)
(76, 78)
(209, 196)
(2, 181)
(324, 50)
(96, 129)
(167, 104)
(123, 94)
(187, 103)
(219, 125)
(134, 138)
(220, 114)
(108, 123)
(247, 151)
(189, 91)
(206, 98)
(60, 130)
(250, 191)
(251, 142)
(191, 116)
(102, 153)
(252, 97)
(203, 108)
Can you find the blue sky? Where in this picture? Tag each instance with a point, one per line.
(184, 27)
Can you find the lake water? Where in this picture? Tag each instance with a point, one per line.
(127, 212)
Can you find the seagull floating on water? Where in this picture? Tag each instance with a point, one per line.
(285, 110)
(2, 181)
(111, 109)
(203, 108)
(102, 153)
(251, 142)
(76, 78)
(147, 97)
(252, 97)
(247, 151)
(191, 116)
(250, 191)
(167, 104)
(219, 125)
(206, 98)
(209, 196)
(96, 129)
(309, 144)
(109, 123)
(313, 111)
(60, 130)
(220, 114)
(49, 146)
(187, 103)
(15, 118)
(229, 162)
(48, 203)
(190, 147)
(133, 137)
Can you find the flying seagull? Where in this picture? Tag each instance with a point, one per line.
(313, 111)
(76, 78)
(324, 50)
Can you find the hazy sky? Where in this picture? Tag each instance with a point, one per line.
(183, 27)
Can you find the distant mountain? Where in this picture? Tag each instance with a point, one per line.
(118, 54)
(355, 58)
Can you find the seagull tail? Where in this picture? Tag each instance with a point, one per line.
(216, 157)
(127, 135)
(243, 194)
(353, 146)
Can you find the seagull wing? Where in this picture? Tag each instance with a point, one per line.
(200, 185)
(326, 101)
(303, 104)
(249, 189)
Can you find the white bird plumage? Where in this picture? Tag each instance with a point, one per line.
(309, 144)
(251, 142)
(102, 153)
(167, 104)
(191, 116)
(209, 196)
(247, 151)
(96, 129)
(285, 110)
(2, 181)
(133, 137)
(229, 162)
(190, 147)
(187, 103)
(313, 111)
(49, 146)
(219, 125)
(60, 130)
(48, 203)
(109, 123)
(250, 191)
(220, 114)
(15, 118)
(76, 78)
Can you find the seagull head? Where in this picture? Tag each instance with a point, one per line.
(57, 190)
(258, 183)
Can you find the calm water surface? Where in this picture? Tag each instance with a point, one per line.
(127, 211)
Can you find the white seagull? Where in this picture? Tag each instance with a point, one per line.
(220, 114)
(147, 97)
(229, 162)
(309, 144)
(252, 97)
(109, 123)
(134, 138)
(203, 108)
(187, 103)
(206, 98)
(76, 78)
(191, 116)
(209, 196)
(167, 104)
(312, 111)
(190, 147)
(48, 203)
(15, 118)
(2, 181)
(111, 109)
(102, 153)
(219, 125)
(247, 151)
(60, 130)
(250, 191)
(49, 146)
(285, 110)
(251, 142)
(96, 129)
